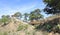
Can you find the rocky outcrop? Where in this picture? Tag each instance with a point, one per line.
(51, 19)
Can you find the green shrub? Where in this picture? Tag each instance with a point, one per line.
(5, 33)
(48, 26)
(22, 27)
(1, 33)
(5, 20)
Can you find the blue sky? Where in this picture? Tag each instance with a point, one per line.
(9, 7)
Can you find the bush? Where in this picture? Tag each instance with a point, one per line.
(58, 26)
(22, 27)
(3, 33)
(5, 20)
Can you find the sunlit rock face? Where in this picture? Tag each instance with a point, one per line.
(51, 19)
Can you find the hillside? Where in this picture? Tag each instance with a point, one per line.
(18, 27)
